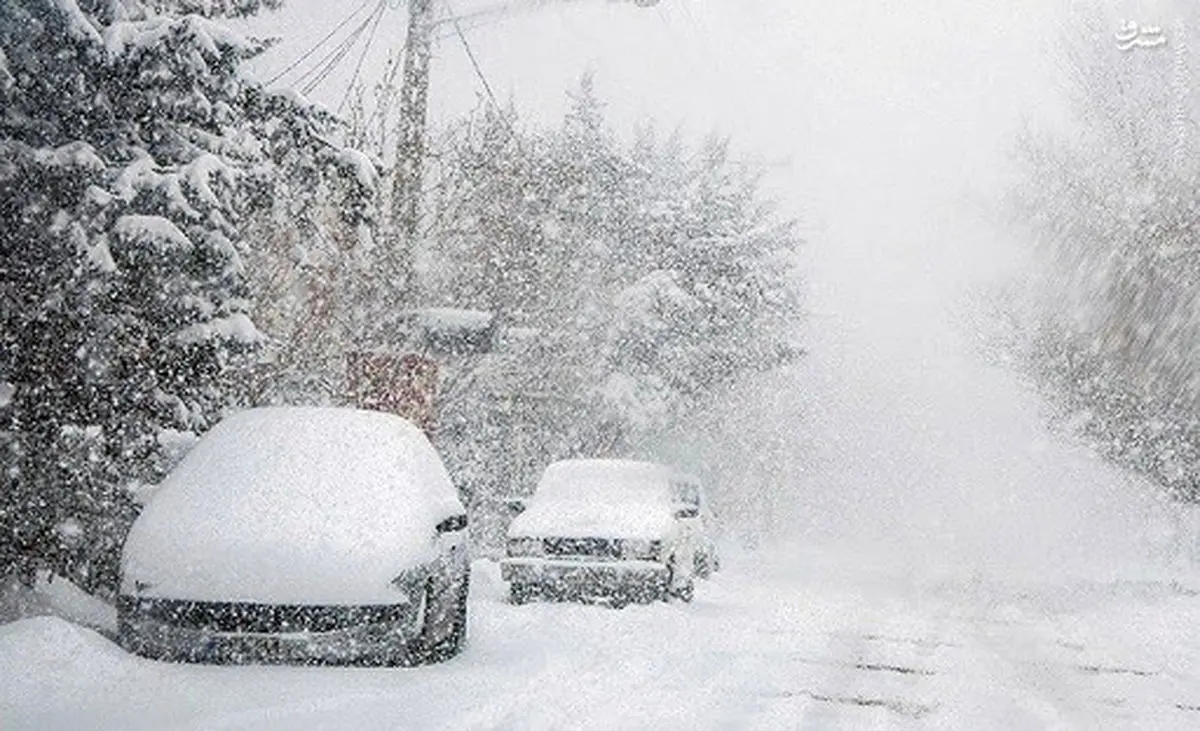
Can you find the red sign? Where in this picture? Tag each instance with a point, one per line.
(405, 385)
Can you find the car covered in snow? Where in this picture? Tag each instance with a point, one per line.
(300, 535)
(611, 529)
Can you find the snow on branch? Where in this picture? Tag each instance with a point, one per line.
(143, 175)
(236, 327)
(211, 38)
(361, 165)
(156, 231)
(77, 24)
(199, 174)
(6, 77)
(653, 297)
(71, 156)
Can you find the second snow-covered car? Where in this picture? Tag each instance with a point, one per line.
(621, 530)
(300, 535)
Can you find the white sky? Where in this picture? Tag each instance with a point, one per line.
(895, 119)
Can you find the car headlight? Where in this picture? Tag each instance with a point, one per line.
(524, 546)
(410, 585)
(640, 550)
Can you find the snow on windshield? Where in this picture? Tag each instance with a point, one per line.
(611, 480)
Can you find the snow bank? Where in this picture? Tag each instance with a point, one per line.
(40, 654)
(68, 601)
(292, 506)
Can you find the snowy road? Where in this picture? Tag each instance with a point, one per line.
(790, 640)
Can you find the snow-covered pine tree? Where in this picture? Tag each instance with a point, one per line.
(131, 151)
(715, 293)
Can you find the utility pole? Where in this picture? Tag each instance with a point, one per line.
(410, 147)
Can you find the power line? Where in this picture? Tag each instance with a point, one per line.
(319, 43)
(474, 61)
(318, 73)
(487, 88)
(334, 57)
(361, 58)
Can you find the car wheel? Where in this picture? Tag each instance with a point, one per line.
(452, 643)
(684, 592)
(702, 565)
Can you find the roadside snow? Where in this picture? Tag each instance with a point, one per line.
(792, 639)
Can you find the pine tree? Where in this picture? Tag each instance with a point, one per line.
(132, 151)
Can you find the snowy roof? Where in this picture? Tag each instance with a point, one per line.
(570, 476)
(292, 505)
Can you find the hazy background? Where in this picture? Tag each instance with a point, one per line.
(888, 126)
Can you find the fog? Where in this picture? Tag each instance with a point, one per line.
(888, 128)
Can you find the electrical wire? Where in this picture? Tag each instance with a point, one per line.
(362, 57)
(474, 62)
(331, 60)
(324, 67)
(487, 87)
(320, 43)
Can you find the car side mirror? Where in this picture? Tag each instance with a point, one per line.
(687, 511)
(453, 524)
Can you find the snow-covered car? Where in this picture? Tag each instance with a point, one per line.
(621, 530)
(300, 535)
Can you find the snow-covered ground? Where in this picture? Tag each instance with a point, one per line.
(786, 639)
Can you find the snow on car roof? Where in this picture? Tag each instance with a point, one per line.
(292, 505)
(584, 498)
(570, 476)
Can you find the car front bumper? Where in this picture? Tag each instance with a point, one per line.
(230, 634)
(581, 577)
